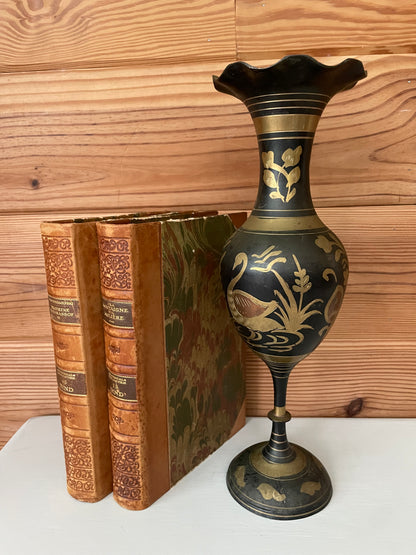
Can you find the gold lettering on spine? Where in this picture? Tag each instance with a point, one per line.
(122, 387)
(71, 383)
(64, 310)
(286, 122)
(118, 314)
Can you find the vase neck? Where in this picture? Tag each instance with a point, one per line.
(285, 124)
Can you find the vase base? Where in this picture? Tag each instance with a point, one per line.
(283, 491)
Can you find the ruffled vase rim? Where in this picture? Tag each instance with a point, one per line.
(292, 73)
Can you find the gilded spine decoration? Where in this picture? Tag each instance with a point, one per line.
(78, 460)
(73, 287)
(59, 263)
(115, 263)
(127, 483)
(117, 303)
(60, 277)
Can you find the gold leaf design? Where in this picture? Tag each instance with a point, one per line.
(290, 158)
(268, 492)
(329, 272)
(293, 176)
(326, 245)
(323, 331)
(268, 159)
(310, 488)
(302, 279)
(269, 179)
(239, 476)
(291, 194)
(323, 243)
(276, 194)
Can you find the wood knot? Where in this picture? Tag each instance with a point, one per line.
(355, 407)
(35, 184)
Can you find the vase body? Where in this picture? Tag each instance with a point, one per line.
(284, 272)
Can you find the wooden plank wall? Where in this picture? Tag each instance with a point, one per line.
(108, 106)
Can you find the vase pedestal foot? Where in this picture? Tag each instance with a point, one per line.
(283, 491)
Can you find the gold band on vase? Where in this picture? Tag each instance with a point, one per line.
(290, 223)
(286, 122)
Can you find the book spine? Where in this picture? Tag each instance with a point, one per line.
(72, 274)
(136, 393)
(114, 243)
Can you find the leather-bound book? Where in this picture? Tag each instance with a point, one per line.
(175, 371)
(73, 283)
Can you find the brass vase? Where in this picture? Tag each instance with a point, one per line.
(284, 272)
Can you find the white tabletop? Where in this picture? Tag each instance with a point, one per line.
(373, 509)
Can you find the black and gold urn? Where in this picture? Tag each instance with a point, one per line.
(284, 272)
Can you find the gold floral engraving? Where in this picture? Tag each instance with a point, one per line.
(268, 492)
(239, 476)
(290, 159)
(332, 307)
(310, 487)
(289, 314)
(334, 245)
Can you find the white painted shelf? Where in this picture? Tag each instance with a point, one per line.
(373, 509)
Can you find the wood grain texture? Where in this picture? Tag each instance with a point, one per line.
(324, 28)
(365, 366)
(358, 377)
(380, 292)
(56, 34)
(27, 383)
(119, 139)
(23, 294)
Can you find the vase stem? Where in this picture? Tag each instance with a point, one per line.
(280, 374)
(278, 448)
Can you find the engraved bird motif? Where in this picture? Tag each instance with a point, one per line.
(246, 309)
